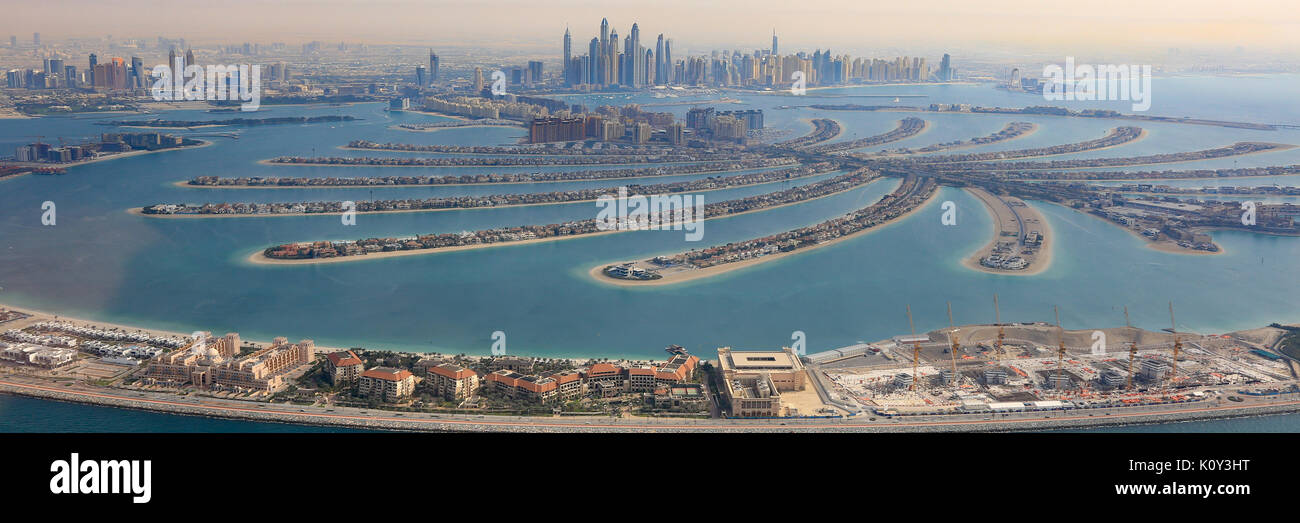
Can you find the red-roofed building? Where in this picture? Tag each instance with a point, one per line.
(344, 367)
(452, 381)
(393, 385)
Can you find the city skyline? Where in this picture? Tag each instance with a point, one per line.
(1105, 26)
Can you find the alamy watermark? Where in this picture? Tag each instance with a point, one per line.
(1100, 82)
(179, 81)
(657, 212)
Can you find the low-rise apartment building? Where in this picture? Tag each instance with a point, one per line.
(389, 384)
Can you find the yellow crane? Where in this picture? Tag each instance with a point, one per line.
(916, 346)
(1132, 348)
(1178, 345)
(952, 340)
(1060, 352)
(1002, 335)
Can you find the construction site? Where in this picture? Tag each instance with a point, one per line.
(1021, 367)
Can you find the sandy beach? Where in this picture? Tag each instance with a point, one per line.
(185, 183)
(269, 162)
(118, 156)
(1279, 148)
(261, 259)
(1004, 219)
(597, 272)
(38, 316)
(1033, 129)
(139, 211)
(1168, 246)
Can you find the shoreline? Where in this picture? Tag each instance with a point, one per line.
(186, 184)
(1164, 247)
(1042, 260)
(118, 156)
(299, 164)
(1279, 148)
(139, 211)
(598, 274)
(923, 154)
(259, 258)
(1142, 135)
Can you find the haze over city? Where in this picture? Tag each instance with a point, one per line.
(1112, 26)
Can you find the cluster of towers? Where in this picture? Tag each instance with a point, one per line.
(607, 63)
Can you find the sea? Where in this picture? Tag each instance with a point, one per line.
(100, 263)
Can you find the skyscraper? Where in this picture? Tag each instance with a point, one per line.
(433, 67)
(90, 72)
(659, 61)
(593, 59)
(419, 76)
(36, 39)
(774, 50)
(568, 55)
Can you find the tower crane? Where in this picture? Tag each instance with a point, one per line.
(952, 340)
(916, 346)
(1132, 348)
(1060, 351)
(1178, 345)
(1002, 335)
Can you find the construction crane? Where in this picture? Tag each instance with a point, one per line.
(952, 340)
(1178, 345)
(916, 346)
(1060, 352)
(1002, 335)
(1132, 348)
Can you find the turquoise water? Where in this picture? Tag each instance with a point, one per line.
(191, 274)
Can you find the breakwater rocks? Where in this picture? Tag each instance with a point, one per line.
(424, 422)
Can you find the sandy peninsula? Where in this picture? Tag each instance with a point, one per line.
(259, 258)
(1007, 228)
(597, 273)
(139, 211)
(117, 156)
(186, 184)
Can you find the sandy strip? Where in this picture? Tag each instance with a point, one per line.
(1278, 147)
(1170, 247)
(118, 156)
(446, 127)
(139, 211)
(186, 184)
(1000, 213)
(38, 316)
(1141, 136)
(597, 272)
(1033, 129)
(259, 258)
(269, 162)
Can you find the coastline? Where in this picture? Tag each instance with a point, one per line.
(598, 274)
(923, 154)
(186, 184)
(118, 156)
(297, 164)
(1042, 260)
(1165, 247)
(139, 211)
(1142, 135)
(1279, 147)
(260, 259)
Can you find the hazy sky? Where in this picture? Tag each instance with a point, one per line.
(1090, 25)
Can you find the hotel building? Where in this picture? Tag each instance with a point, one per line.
(344, 367)
(389, 384)
(452, 381)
